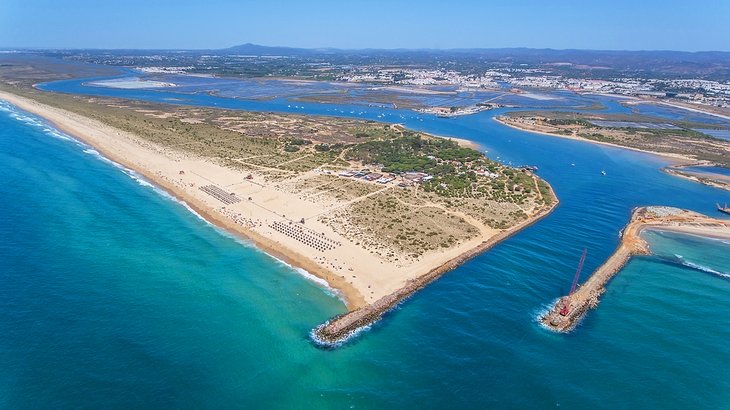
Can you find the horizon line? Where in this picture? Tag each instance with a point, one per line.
(335, 49)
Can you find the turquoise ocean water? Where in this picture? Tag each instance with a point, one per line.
(112, 294)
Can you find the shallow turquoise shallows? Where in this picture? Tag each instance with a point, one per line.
(114, 295)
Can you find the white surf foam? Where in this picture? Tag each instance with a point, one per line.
(321, 283)
(543, 310)
(351, 335)
(37, 122)
(702, 268)
(141, 180)
(33, 121)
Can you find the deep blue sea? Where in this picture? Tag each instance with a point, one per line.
(114, 295)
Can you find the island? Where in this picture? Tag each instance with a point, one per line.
(678, 140)
(568, 311)
(701, 172)
(376, 210)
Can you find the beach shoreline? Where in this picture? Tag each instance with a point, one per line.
(136, 154)
(353, 298)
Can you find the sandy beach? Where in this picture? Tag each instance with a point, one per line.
(259, 211)
(163, 168)
(714, 232)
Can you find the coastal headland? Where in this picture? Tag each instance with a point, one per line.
(567, 311)
(375, 210)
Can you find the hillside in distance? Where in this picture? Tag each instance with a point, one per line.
(284, 61)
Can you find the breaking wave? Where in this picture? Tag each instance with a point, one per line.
(544, 309)
(141, 180)
(34, 121)
(682, 261)
(333, 345)
(315, 279)
(48, 129)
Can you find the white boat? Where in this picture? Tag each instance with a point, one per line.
(723, 209)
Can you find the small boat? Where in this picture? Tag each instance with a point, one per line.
(724, 209)
(603, 172)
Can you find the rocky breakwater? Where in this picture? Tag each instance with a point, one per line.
(340, 328)
(567, 312)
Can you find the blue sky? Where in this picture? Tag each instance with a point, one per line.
(617, 24)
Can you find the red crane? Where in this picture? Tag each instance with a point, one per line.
(566, 300)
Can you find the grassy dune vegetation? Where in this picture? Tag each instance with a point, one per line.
(467, 194)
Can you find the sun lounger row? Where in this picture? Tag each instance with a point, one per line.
(305, 236)
(220, 194)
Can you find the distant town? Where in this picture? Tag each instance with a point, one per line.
(677, 76)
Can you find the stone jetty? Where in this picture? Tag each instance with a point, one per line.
(587, 296)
